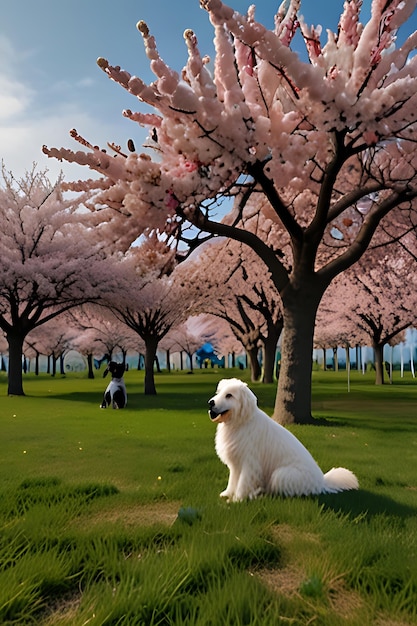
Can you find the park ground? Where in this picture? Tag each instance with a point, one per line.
(113, 517)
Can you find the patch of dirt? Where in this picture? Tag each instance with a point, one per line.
(286, 534)
(383, 620)
(62, 610)
(287, 580)
(136, 515)
(345, 602)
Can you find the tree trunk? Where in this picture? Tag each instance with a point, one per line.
(151, 346)
(53, 361)
(90, 366)
(255, 368)
(358, 357)
(270, 351)
(379, 363)
(293, 400)
(335, 360)
(15, 375)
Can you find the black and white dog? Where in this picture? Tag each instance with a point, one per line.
(115, 394)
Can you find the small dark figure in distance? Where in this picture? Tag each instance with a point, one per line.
(115, 394)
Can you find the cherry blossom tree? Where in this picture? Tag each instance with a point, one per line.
(50, 262)
(231, 283)
(100, 334)
(151, 300)
(183, 339)
(333, 332)
(219, 334)
(375, 304)
(328, 146)
(106, 335)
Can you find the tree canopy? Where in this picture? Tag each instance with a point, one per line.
(50, 262)
(324, 149)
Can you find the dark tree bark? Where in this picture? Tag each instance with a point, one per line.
(255, 368)
(151, 345)
(90, 366)
(270, 343)
(294, 384)
(15, 373)
(379, 362)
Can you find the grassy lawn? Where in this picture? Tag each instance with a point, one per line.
(113, 517)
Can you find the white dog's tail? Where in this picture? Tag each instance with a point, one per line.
(339, 479)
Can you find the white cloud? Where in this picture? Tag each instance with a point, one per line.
(30, 119)
(14, 98)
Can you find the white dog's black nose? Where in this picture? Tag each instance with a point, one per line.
(211, 403)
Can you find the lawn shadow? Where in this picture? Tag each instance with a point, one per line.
(366, 504)
(135, 400)
(378, 423)
(333, 422)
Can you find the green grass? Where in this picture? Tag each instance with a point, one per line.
(113, 517)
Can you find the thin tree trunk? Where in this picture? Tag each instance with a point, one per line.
(270, 352)
(348, 365)
(53, 359)
(379, 363)
(293, 400)
(151, 346)
(255, 368)
(15, 375)
(335, 360)
(90, 366)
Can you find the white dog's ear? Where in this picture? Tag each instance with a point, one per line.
(247, 401)
(230, 382)
(221, 384)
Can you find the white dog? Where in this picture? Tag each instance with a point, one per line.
(263, 457)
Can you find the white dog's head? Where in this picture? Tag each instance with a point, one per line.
(234, 401)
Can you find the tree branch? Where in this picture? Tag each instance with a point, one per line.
(365, 234)
(256, 170)
(278, 271)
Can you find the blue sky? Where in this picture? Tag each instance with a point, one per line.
(50, 83)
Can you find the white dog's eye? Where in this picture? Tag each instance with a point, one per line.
(229, 395)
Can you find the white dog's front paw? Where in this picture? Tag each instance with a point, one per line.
(256, 493)
(247, 493)
(226, 494)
